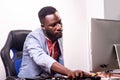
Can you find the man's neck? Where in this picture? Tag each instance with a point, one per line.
(51, 39)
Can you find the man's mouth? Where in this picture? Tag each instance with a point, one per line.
(59, 32)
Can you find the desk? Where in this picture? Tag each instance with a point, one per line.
(112, 78)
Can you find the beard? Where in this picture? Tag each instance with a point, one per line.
(53, 36)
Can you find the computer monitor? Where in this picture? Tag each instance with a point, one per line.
(105, 40)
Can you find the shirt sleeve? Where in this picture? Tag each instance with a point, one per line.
(36, 49)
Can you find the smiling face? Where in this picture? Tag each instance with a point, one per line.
(52, 26)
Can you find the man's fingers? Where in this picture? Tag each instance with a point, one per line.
(78, 73)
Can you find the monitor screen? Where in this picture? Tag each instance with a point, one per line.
(105, 34)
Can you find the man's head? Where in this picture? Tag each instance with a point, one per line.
(50, 22)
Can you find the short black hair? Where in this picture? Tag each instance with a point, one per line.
(46, 11)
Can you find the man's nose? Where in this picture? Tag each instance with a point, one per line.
(59, 26)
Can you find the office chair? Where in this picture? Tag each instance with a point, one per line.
(14, 43)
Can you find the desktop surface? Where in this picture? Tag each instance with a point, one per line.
(111, 78)
(65, 78)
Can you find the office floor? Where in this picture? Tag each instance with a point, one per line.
(2, 70)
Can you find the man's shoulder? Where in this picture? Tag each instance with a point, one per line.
(36, 34)
(60, 39)
(37, 31)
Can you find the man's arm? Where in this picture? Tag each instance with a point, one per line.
(57, 67)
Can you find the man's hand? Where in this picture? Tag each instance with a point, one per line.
(77, 74)
(56, 67)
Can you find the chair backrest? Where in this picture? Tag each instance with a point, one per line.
(15, 43)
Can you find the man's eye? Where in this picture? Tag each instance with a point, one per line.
(59, 22)
(53, 25)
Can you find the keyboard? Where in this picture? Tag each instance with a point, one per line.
(112, 78)
(90, 78)
(116, 71)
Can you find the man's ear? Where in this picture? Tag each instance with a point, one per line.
(42, 26)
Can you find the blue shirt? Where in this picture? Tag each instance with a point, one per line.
(36, 57)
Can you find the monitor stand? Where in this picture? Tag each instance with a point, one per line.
(115, 71)
(117, 50)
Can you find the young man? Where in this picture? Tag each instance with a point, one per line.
(43, 50)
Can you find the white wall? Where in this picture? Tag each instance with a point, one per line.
(22, 14)
(76, 36)
(95, 9)
(16, 14)
(112, 9)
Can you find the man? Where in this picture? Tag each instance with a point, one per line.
(42, 52)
